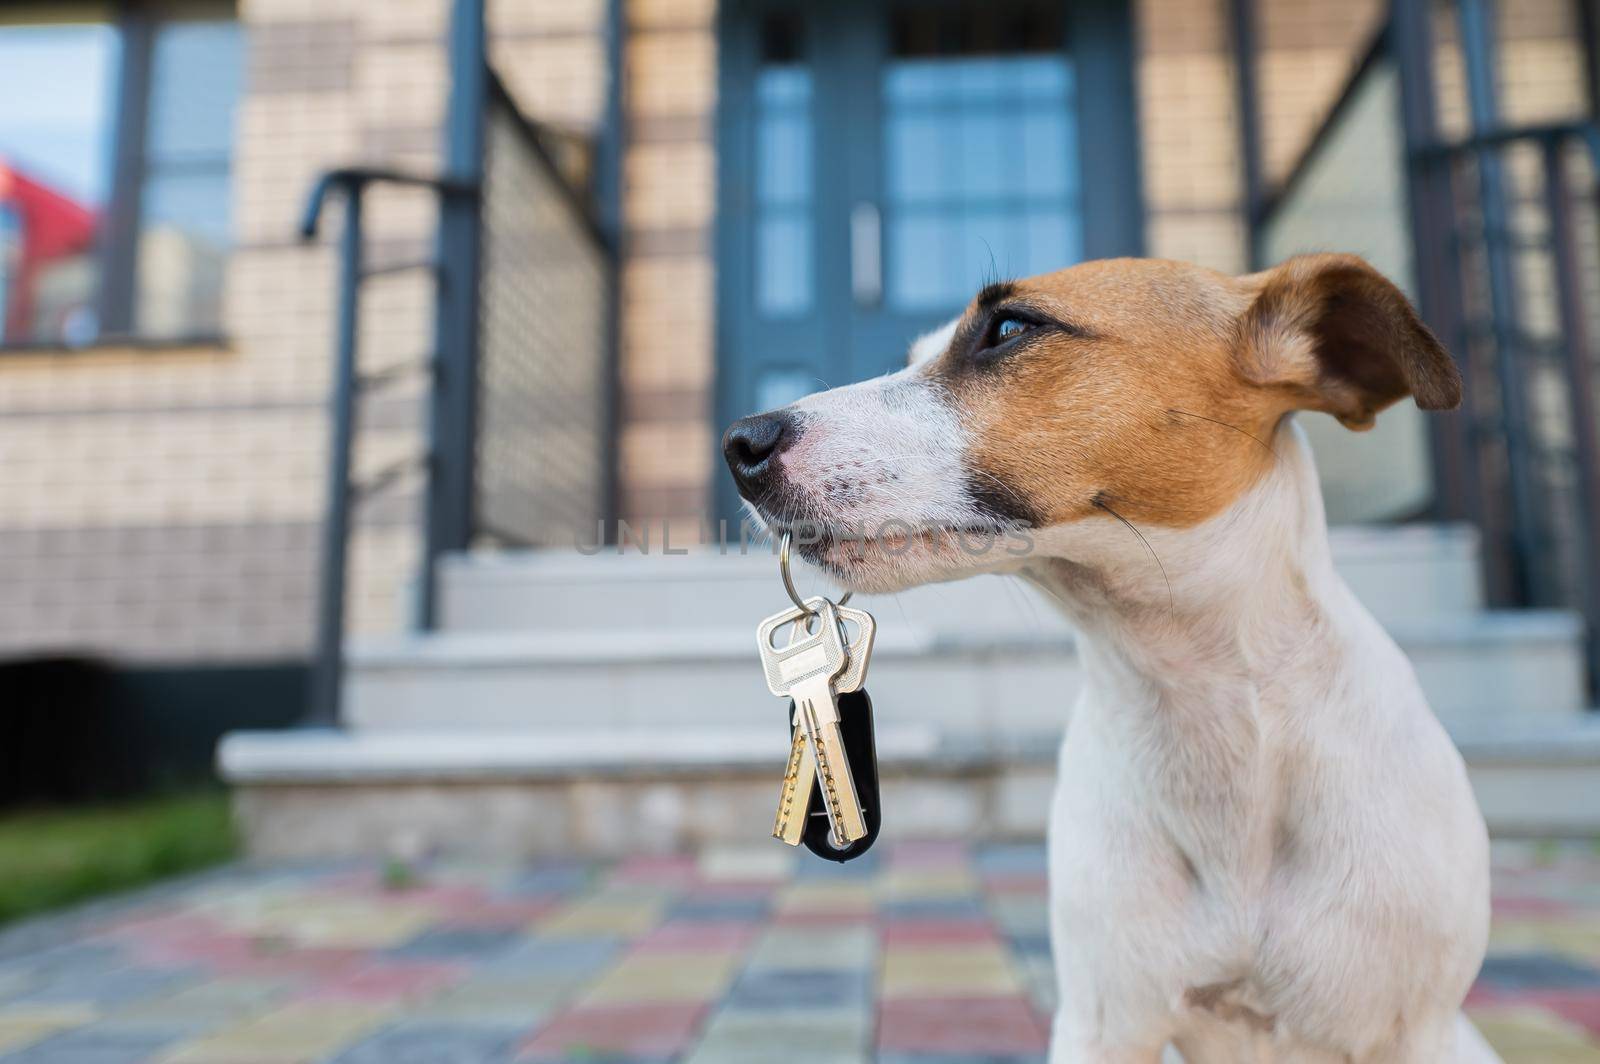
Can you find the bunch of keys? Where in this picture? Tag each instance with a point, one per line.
(830, 787)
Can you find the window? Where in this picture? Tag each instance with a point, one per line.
(783, 171)
(115, 144)
(55, 169)
(980, 150)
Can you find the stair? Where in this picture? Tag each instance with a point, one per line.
(972, 684)
(1404, 573)
(530, 722)
(501, 795)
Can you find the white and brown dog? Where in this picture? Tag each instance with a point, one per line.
(1263, 846)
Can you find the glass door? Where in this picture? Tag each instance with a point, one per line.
(878, 163)
(965, 167)
(778, 243)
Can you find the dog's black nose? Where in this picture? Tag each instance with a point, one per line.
(751, 444)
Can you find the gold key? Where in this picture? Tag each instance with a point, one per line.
(805, 671)
(790, 826)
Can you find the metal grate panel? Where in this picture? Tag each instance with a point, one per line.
(544, 361)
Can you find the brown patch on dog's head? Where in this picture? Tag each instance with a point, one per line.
(1154, 388)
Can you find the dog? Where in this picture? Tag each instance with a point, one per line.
(1262, 844)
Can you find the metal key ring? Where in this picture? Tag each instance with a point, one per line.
(788, 581)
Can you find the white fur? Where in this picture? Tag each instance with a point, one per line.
(878, 451)
(1263, 846)
(889, 456)
(882, 450)
(932, 343)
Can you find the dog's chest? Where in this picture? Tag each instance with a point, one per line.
(1257, 936)
(1233, 1002)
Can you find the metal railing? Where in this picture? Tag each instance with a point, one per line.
(1497, 236)
(1523, 250)
(349, 383)
(544, 458)
(1349, 194)
(520, 382)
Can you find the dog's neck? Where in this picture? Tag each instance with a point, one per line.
(1198, 667)
(1232, 593)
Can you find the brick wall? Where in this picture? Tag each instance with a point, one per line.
(669, 200)
(1189, 133)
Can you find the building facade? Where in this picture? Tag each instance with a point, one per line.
(166, 360)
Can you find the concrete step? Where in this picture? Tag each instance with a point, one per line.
(1477, 669)
(1537, 782)
(1401, 573)
(610, 793)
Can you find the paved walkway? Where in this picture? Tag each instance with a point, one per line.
(921, 952)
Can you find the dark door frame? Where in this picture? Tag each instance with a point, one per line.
(1100, 36)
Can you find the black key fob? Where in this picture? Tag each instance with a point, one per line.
(855, 730)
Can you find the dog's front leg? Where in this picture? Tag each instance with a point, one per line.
(1110, 1011)
(1091, 1027)
(1070, 1044)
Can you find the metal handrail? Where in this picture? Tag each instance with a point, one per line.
(327, 665)
(357, 178)
(448, 458)
(1586, 132)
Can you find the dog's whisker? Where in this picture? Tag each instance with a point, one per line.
(1224, 424)
(1172, 603)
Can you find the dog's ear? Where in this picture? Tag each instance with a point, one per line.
(1331, 333)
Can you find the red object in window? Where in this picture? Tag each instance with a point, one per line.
(53, 226)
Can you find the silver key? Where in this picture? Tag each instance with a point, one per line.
(859, 648)
(805, 670)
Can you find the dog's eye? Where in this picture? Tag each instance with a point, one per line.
(1009, 328)
(1005, 329)
(1007, 324)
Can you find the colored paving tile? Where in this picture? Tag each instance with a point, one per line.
(1527, 1034)
(966, 970)
(494, 999)
(434, 1043)
(95, 1045)
(1006, 1026)
(295, 1034)
(654, 1031)
(921, 953)
(815, 1036)
(664, 977)
(23, 1029)
(597, 916)
(822, 948)
(676, 936)
(787, 989)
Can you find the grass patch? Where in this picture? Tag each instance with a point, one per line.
(54, 857)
